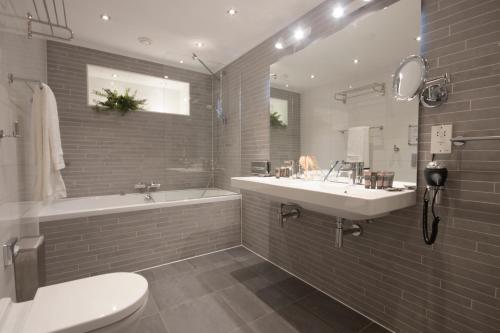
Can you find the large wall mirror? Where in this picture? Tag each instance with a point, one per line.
(327, 96)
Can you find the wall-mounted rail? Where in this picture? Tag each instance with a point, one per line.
(461, 140)
(53, 24)
(13, 78)
(375, 87)
(381, 127)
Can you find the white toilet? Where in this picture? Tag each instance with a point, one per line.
(99, 304)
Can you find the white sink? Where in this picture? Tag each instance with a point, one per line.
(352, 202)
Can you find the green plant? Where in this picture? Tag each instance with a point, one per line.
(276, 122)
(114, 101)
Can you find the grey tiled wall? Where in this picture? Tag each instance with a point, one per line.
(285, 142)
(389, 274)
(109, 153)
(82, 247)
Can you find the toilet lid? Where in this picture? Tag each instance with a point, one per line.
(86, 304)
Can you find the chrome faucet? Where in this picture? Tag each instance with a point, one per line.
(332, 167)
(356, 170)
(147, 188)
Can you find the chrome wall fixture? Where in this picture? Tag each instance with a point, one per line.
(11, 78)
(381, 127)
(287, 211)
(53, 25)
(354, 230)
(372, 88)
(461, 140)
(410, 80)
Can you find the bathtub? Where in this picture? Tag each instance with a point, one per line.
(110, 204)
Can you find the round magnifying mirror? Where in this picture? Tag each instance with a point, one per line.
(409, 78)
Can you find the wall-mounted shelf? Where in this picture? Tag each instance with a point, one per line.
(461, 140)
(51, 20)
(372, 88)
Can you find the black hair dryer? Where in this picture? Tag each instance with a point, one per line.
(435, 176)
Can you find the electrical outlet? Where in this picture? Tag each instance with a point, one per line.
(441, 139)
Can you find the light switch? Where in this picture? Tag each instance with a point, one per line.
(440, 139)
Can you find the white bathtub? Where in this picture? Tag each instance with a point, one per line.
(109, 204)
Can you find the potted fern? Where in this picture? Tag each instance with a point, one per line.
(114, 101)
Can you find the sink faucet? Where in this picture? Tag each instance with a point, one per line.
(332, 167)
(356, 170)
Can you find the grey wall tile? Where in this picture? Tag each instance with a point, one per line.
(389, 274)
(108, 153)
(83, 247)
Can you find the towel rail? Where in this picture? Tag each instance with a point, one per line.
(381, 127)
(13, 78)
(461, 140)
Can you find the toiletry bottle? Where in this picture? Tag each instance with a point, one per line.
(367, 177)
(373, 180)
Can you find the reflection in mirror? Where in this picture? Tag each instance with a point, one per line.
(340, 107)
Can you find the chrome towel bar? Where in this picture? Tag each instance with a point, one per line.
(461, 140)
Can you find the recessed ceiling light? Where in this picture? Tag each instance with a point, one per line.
(199, 44)
(279, 45)
(115, 75)
(105, 17)
(418, 38)
(299, 34)
(145, 41)
(286, 85)
(181, 61)
(165, 76)
(356, 61)
(232, 11)
(313, 76)
(338, 12)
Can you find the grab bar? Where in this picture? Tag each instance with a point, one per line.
(461, 140)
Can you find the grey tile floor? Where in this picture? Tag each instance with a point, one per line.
(235, 291)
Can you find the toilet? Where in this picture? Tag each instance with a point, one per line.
(105, 303)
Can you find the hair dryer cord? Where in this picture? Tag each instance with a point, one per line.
(434, 229)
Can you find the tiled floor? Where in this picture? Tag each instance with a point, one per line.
(235, 291)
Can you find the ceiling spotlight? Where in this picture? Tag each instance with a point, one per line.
(338, 12)
(279, 45)
(418, 38)
(232, 11)
(356, 61)
(286, 85)
(199, 44)
(105, 17)
(313, 76)
(165, 76)
(115, 75)
(299, 34)
(181, 61)
(145, 41)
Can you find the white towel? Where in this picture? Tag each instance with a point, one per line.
(358, 145)
(47, 144)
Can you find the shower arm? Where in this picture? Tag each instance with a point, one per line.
(195, 57)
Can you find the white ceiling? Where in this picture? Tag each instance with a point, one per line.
(379, 41)
(174, 26)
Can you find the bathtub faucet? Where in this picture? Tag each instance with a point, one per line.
(147, 188)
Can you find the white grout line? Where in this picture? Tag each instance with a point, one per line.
(180, 260)
(319, 289)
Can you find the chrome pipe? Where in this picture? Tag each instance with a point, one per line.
(354, 230)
